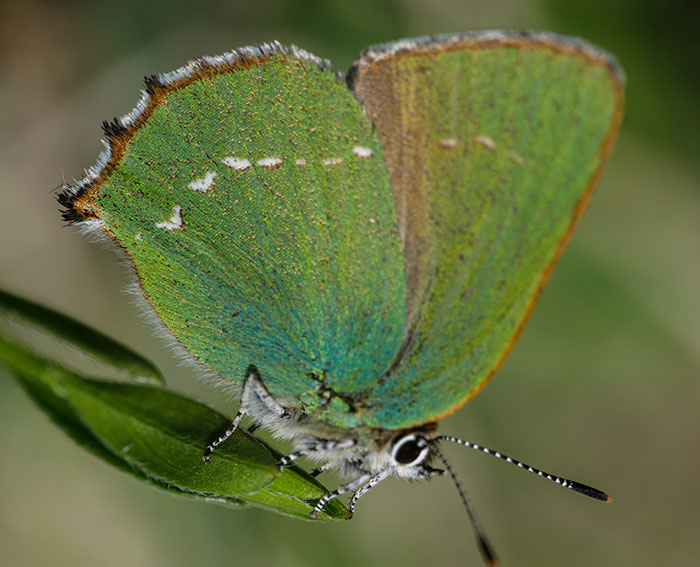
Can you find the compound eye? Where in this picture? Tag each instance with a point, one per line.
(409, 450)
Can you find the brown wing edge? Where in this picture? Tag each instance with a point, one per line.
(481, 39)
(76, 199)
(523, 40)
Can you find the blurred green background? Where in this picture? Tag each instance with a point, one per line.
(602, 386)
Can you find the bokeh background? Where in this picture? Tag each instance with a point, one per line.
(602, 386)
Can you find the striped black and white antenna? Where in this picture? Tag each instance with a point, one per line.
(486, 551)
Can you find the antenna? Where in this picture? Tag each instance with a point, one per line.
(484, 547)
(565, 482)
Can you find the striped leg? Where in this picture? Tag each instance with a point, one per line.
(229, 432)
(371, 483)
(319, 445)
(342, 489)
(323, 468)
(252, 386)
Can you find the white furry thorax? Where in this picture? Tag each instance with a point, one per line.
(354, 453)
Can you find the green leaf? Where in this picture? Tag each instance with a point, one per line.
(164, 435)
(79, 337)
(295, 493)
(159, 437)
(43, 383)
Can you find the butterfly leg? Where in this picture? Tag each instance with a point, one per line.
(252, 386)
(318, 446)
(342, 489)
(371, 483)
(323, 468)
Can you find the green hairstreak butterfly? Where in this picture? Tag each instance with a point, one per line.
(357, 252)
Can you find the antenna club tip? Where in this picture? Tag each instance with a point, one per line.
(488, 555)
(608, 498)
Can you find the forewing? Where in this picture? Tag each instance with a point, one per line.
(494, 142)
(251, 194)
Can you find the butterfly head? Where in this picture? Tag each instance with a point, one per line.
(411, 454)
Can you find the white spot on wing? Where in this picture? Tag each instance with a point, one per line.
(269, 162)
(300, 161)
(485, 141)
(175, 221)
(332, 161)
(449, 143)
(236, 163)
(515, 158)
(205, 183)
(362, 152)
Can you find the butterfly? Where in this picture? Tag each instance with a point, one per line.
(357, 252)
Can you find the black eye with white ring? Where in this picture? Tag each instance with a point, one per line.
(409, 449)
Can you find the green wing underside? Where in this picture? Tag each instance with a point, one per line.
(290, 260)
(499, 148)
(375, 260)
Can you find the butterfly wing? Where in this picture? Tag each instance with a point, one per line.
(494, 142)
(251, 194)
